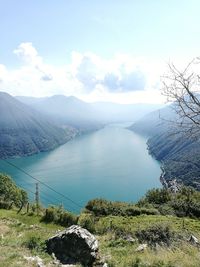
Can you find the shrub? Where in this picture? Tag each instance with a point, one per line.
(5, 205)
(34, 243)
(51, 215)
(186, 202)
(156, 234)
(87, 221)
(158, 196)
(60, 216)
(67, 219)
(166, 209)
(9, 192)
(102, 207)
(183, 208)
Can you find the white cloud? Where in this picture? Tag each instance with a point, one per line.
(122, 78)
(28, 54)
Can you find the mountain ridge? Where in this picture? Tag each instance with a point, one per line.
(24, 131)
(96, 112)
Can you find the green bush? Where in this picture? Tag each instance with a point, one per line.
(34, 243)
(67, 219)
(156, 234)
(9, 192)
(166, 209)
(102, 207)
(51, 214)
(60, 216)
(87, 221)
(158, 196)
(186, 202)
(5, 205)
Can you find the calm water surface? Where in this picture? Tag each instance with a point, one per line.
(111, 163)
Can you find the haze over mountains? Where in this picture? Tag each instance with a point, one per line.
(77, 112)
(65, 111)
(30, 125)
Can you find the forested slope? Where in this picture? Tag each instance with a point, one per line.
(179, 153)
(24, 131)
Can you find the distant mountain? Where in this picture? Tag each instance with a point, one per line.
(24, 131)
(30, 125)
(65, 111)
(73, 111)
(179, 154)
(155, 122)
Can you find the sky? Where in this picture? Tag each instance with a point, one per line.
(108, 50)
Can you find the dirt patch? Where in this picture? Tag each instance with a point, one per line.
(4, 229)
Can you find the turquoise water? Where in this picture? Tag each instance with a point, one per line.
(111, 163)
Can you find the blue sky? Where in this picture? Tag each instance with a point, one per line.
(81, 35)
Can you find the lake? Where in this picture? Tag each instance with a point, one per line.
(111, 163)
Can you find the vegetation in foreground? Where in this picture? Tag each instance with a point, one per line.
(119, 227)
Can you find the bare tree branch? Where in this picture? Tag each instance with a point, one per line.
(182, 88)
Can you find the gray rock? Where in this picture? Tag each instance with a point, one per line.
(35, 259)
(129, 238)
(193, 240)
(141, 248)
(74, 245)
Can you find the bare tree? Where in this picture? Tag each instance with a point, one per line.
(182, 89)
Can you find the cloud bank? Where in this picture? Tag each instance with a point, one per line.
(87, 76)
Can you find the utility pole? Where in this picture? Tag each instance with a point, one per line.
(37, 197)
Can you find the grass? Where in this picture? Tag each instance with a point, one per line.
(23, 235)
(121, 253)
(17, 231)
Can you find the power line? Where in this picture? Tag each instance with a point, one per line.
(55, 191)
(23, 184)
(41, 196)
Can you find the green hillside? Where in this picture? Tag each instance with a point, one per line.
(161, 220)
(179, 153)
(23, 131)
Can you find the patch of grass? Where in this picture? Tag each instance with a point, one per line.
(21, 229)
(121, 253)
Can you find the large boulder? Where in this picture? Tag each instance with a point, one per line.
(74, 245)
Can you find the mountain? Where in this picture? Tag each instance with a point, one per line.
(179, 154)
(24, 131)
(82, 115)
(30, 125)
(65, 111)
(155, 122)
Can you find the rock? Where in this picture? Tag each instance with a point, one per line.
(129, 238)
(141, 248)
(74, 245)
(193, 240)
(35, 259)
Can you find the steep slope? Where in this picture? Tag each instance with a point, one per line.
(179, 154)
(154, 123)
(24, 131)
